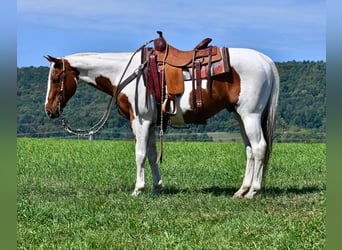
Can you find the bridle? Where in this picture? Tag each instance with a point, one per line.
(62, 89)
(122, 84)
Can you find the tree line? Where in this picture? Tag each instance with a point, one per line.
(301, 114)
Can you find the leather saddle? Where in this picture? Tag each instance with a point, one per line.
(174, 66)
(180, 58)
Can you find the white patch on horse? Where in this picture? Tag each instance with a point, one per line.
(49, 83)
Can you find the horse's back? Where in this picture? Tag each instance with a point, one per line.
(243, 58)
(257, 73)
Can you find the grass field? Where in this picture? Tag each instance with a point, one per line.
(76, 195)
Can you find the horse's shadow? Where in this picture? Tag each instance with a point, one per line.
(229, 191)
(276, 191)
(215, 190)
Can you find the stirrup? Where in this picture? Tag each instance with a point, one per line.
(169, 106)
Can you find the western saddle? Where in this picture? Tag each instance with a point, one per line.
(170, 67)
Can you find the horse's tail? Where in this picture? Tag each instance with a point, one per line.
(269, 114)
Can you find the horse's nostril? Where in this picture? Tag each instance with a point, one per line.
(51, 115)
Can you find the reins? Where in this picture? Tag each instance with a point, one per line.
(121, 85)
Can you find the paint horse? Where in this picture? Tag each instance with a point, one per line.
(250, 90)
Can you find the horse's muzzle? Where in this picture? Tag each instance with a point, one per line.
(51, 114)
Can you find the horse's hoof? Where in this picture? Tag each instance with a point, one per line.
(251, 194)
(237, 196)
(157, 188)
(136, 192)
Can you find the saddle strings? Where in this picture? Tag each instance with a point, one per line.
(161, 133)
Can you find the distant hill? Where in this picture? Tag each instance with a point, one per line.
(301, 113)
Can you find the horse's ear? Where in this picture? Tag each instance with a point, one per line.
(53, 59)
(50, 58)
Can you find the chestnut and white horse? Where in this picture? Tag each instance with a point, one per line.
(250, 90)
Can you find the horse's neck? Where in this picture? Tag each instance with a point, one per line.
(108, 65)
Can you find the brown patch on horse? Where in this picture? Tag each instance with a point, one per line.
(62, 85)
(104, 84)
(124, 106)
(225, 95)
(233, 89)
(70, 84)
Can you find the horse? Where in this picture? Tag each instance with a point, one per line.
(250, 91)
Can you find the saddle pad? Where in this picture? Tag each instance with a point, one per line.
(216, 68)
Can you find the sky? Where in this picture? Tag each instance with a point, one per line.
(285, 30)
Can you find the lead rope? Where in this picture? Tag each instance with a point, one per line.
(99, 125)
(85, 132)
(161, 133)
(95, 128)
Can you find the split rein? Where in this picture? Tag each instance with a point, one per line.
(122, 84)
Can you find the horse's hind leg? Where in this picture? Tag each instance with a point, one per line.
(152, 158)
(247, 180)
(248, 177)
(255, 150)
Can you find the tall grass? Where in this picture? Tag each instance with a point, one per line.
(76, 195)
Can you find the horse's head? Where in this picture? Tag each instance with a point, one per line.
(62, 83)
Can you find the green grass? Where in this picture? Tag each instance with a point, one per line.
(76, 195)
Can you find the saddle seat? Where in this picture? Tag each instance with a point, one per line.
(180, 58)
(176, 57)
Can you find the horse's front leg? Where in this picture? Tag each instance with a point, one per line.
(141, 131)
(152, 158)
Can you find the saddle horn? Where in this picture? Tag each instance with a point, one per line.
(160, 43)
